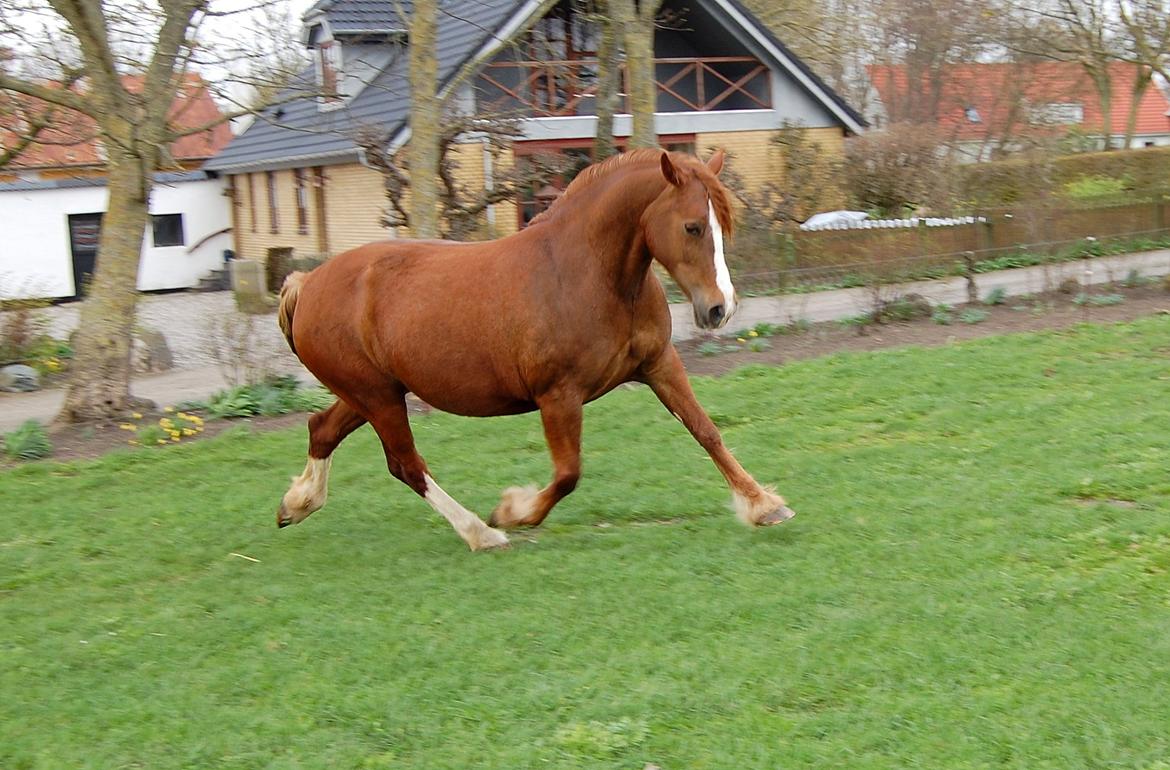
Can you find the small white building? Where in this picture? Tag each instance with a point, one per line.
(49, 233)
(53, 195)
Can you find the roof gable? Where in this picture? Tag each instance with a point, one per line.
(298, 131)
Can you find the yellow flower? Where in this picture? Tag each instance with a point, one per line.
(188, 432)
(168, 409)
(136, 416)
(740, 339)
(162, 441)
(175, 439)
(753, 333)
(126, 426)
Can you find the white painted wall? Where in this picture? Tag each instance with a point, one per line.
(36, 261)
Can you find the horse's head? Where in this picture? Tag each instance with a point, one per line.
(684, 231)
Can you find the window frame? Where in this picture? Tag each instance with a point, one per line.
(273, 208)
(157, 219)
(301, 195)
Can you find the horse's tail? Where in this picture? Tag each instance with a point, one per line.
(288, 305)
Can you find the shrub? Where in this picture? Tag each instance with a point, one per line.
(28, 442)
(1135, 279)
(973, 316)
(996, 296)
(1095, 186)
(1098, 300)
(276, 395)
(758, 345)
(710, 348)
(898, 168)
(941, 314)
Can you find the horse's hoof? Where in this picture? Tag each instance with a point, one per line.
(283, 517)
(516, 505)
(778, 516)
(489, 540)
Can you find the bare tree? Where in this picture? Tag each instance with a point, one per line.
(607, 15)
(460, 207)
(1147, 26)
(1079, 31)
(639, 20)
(98, 45)
(425, 110)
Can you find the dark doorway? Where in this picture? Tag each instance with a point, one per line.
(84, 232)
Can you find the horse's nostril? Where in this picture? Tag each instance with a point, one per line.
(715, 315)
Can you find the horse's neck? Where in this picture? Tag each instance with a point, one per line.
(613, 221)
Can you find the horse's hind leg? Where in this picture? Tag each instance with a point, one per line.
(390, 420)
(327, 429)
(525, 506)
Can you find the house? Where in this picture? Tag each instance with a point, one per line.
(53, 194)
(300, 182)
(986, 111)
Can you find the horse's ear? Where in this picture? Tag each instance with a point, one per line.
(715, 162)
(670, 171)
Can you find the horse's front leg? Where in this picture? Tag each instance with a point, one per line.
(525, 506)
(754, 504)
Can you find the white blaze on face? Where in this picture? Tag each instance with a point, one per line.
(722, 274)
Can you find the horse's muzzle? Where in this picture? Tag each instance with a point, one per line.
(712, 317)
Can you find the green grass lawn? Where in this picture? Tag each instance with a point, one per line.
(977, 578)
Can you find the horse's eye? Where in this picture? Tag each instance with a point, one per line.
(694, 228)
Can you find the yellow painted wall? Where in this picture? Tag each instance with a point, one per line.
(253, 227)
(757, 159)
(355, 201)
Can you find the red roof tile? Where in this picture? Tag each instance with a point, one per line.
(1013, 99)
(71, 140)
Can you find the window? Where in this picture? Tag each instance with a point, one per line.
(302, 193)
(273, 220)
(574, 156)
(1056, 114)
(168, 229)
(252, 202)
(329, 70)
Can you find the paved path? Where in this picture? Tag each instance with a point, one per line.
(189, 320)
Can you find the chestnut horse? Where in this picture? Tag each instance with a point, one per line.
(550, 318)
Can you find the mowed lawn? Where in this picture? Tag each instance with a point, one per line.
(976, 578)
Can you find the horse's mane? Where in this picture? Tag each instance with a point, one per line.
(719, 195)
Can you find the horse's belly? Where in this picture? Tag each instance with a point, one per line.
(473, 405)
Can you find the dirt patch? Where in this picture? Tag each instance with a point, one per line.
(1049, 311)
(85, 442)
(1038, 313)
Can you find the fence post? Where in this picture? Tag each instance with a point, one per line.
(969, 274)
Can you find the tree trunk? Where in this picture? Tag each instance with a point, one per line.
(1141, 82)
(1104, 87)
(424, 122)
(99, 385)
(608, 79)
(640, 66)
